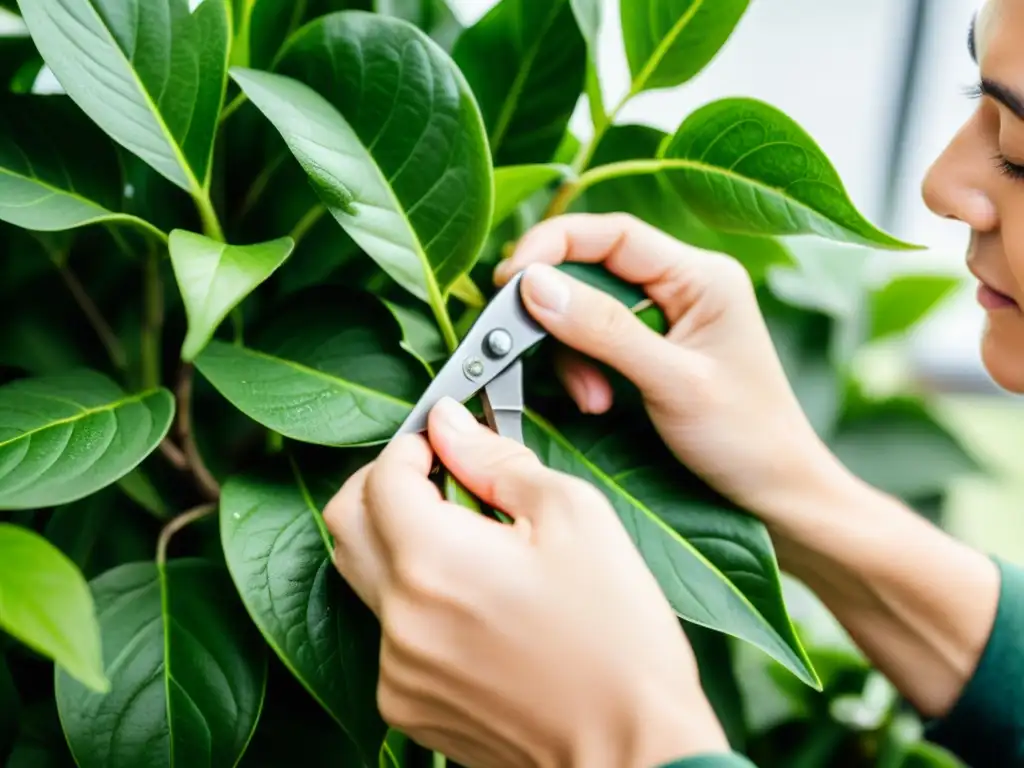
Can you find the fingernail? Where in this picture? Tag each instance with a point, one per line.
(548, 287)
(456, 416)
(503, 271)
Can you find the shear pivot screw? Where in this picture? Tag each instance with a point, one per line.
(473, 367)
(499, 342)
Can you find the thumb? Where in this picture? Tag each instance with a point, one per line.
(500, 471)
(599, 326)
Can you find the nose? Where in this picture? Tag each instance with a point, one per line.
(955, 185)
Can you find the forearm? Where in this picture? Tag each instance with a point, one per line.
(917, 602)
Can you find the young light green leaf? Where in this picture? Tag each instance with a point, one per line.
(65, 436)
(744, 166)
(668, 42)
(187, 671)
(279, 554)
(45, 603)
(526, 62)
(904, 301)
(152, 75)
(328, 369)
(57, 170)
(651, 198)
(402, 166)
(715, 564)
(215, 277)
(515, 183)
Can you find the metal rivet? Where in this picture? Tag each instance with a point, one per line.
(499, 342)
(473, 367)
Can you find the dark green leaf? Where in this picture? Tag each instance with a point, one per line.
(651, 198)
(904, 302)
(279, 554)
(45, 603)
(715, 564)
(20, 62)
(57, 171)
(187, 671)
(65, 436)
(718, 679)
(898, 446)
(402, 166)
(214, 278)
(150, 74)
(434, 17)
(515, 183)
(10, 709)
(670, 41)
(328, 369)
(526, 62)
(420, 336)
(744, 166)
(40, 743)
(265, 25)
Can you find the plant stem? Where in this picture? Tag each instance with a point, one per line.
(307, 222)
(152, 321)
(232, 107)
(205, 481)
(174, 455)
(208, 214)
(115, 350)
(601, 125)
(176, 524)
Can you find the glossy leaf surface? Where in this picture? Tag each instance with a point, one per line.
(150, 74)
(715, 565)
(746, 167)
(45, 603)
(214, 277)
(65, 436)
(670, 41)
(187, 671)
(57, 170)
(402, 165)
(330, 369)
(279, 554)
(526, 62)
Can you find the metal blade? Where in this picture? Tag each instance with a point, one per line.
(502, 333)
(503, 402)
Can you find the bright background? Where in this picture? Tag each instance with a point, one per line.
(840, 68)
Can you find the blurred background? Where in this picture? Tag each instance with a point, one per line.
(880, 86)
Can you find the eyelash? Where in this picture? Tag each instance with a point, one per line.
(1005, 167)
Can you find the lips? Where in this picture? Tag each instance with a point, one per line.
(990, 298)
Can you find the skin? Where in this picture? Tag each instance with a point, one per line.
(547, 642)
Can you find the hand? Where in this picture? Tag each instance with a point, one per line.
(546, 642)
(713, 385)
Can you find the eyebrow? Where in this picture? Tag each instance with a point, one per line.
(1008, 97)
(972, 45)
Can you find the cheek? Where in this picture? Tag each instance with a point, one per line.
(1012, 236)
(1002, 349)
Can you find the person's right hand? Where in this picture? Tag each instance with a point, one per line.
(713, 385)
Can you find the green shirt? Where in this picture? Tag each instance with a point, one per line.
(985, 728)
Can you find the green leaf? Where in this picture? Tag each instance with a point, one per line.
(420, 335)
(435, 17)
(65, 436)
(279, 553)
(746, 167)
(150, 74)
(905, 301)
(588, 18)
(402, 166)
(515, 183)
(20, 62)
(328, 369)
(526, 62)
(715, 564)
(215, 277)
(265, 25)
(651, 198)
(45, 603)
(668, 42)
(57, 170)
(187, 671)
(898, 446)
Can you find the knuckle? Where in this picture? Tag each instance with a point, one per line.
(612, 321)
(626, 221)
(396, 709)
(514, 472)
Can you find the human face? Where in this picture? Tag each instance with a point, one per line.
(979, 180)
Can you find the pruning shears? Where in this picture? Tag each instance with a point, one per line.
(488, 362)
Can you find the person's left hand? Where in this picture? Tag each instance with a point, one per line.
(546, 642)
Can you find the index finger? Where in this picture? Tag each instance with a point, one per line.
(628, 247)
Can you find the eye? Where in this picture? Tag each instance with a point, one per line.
(1013, 170)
